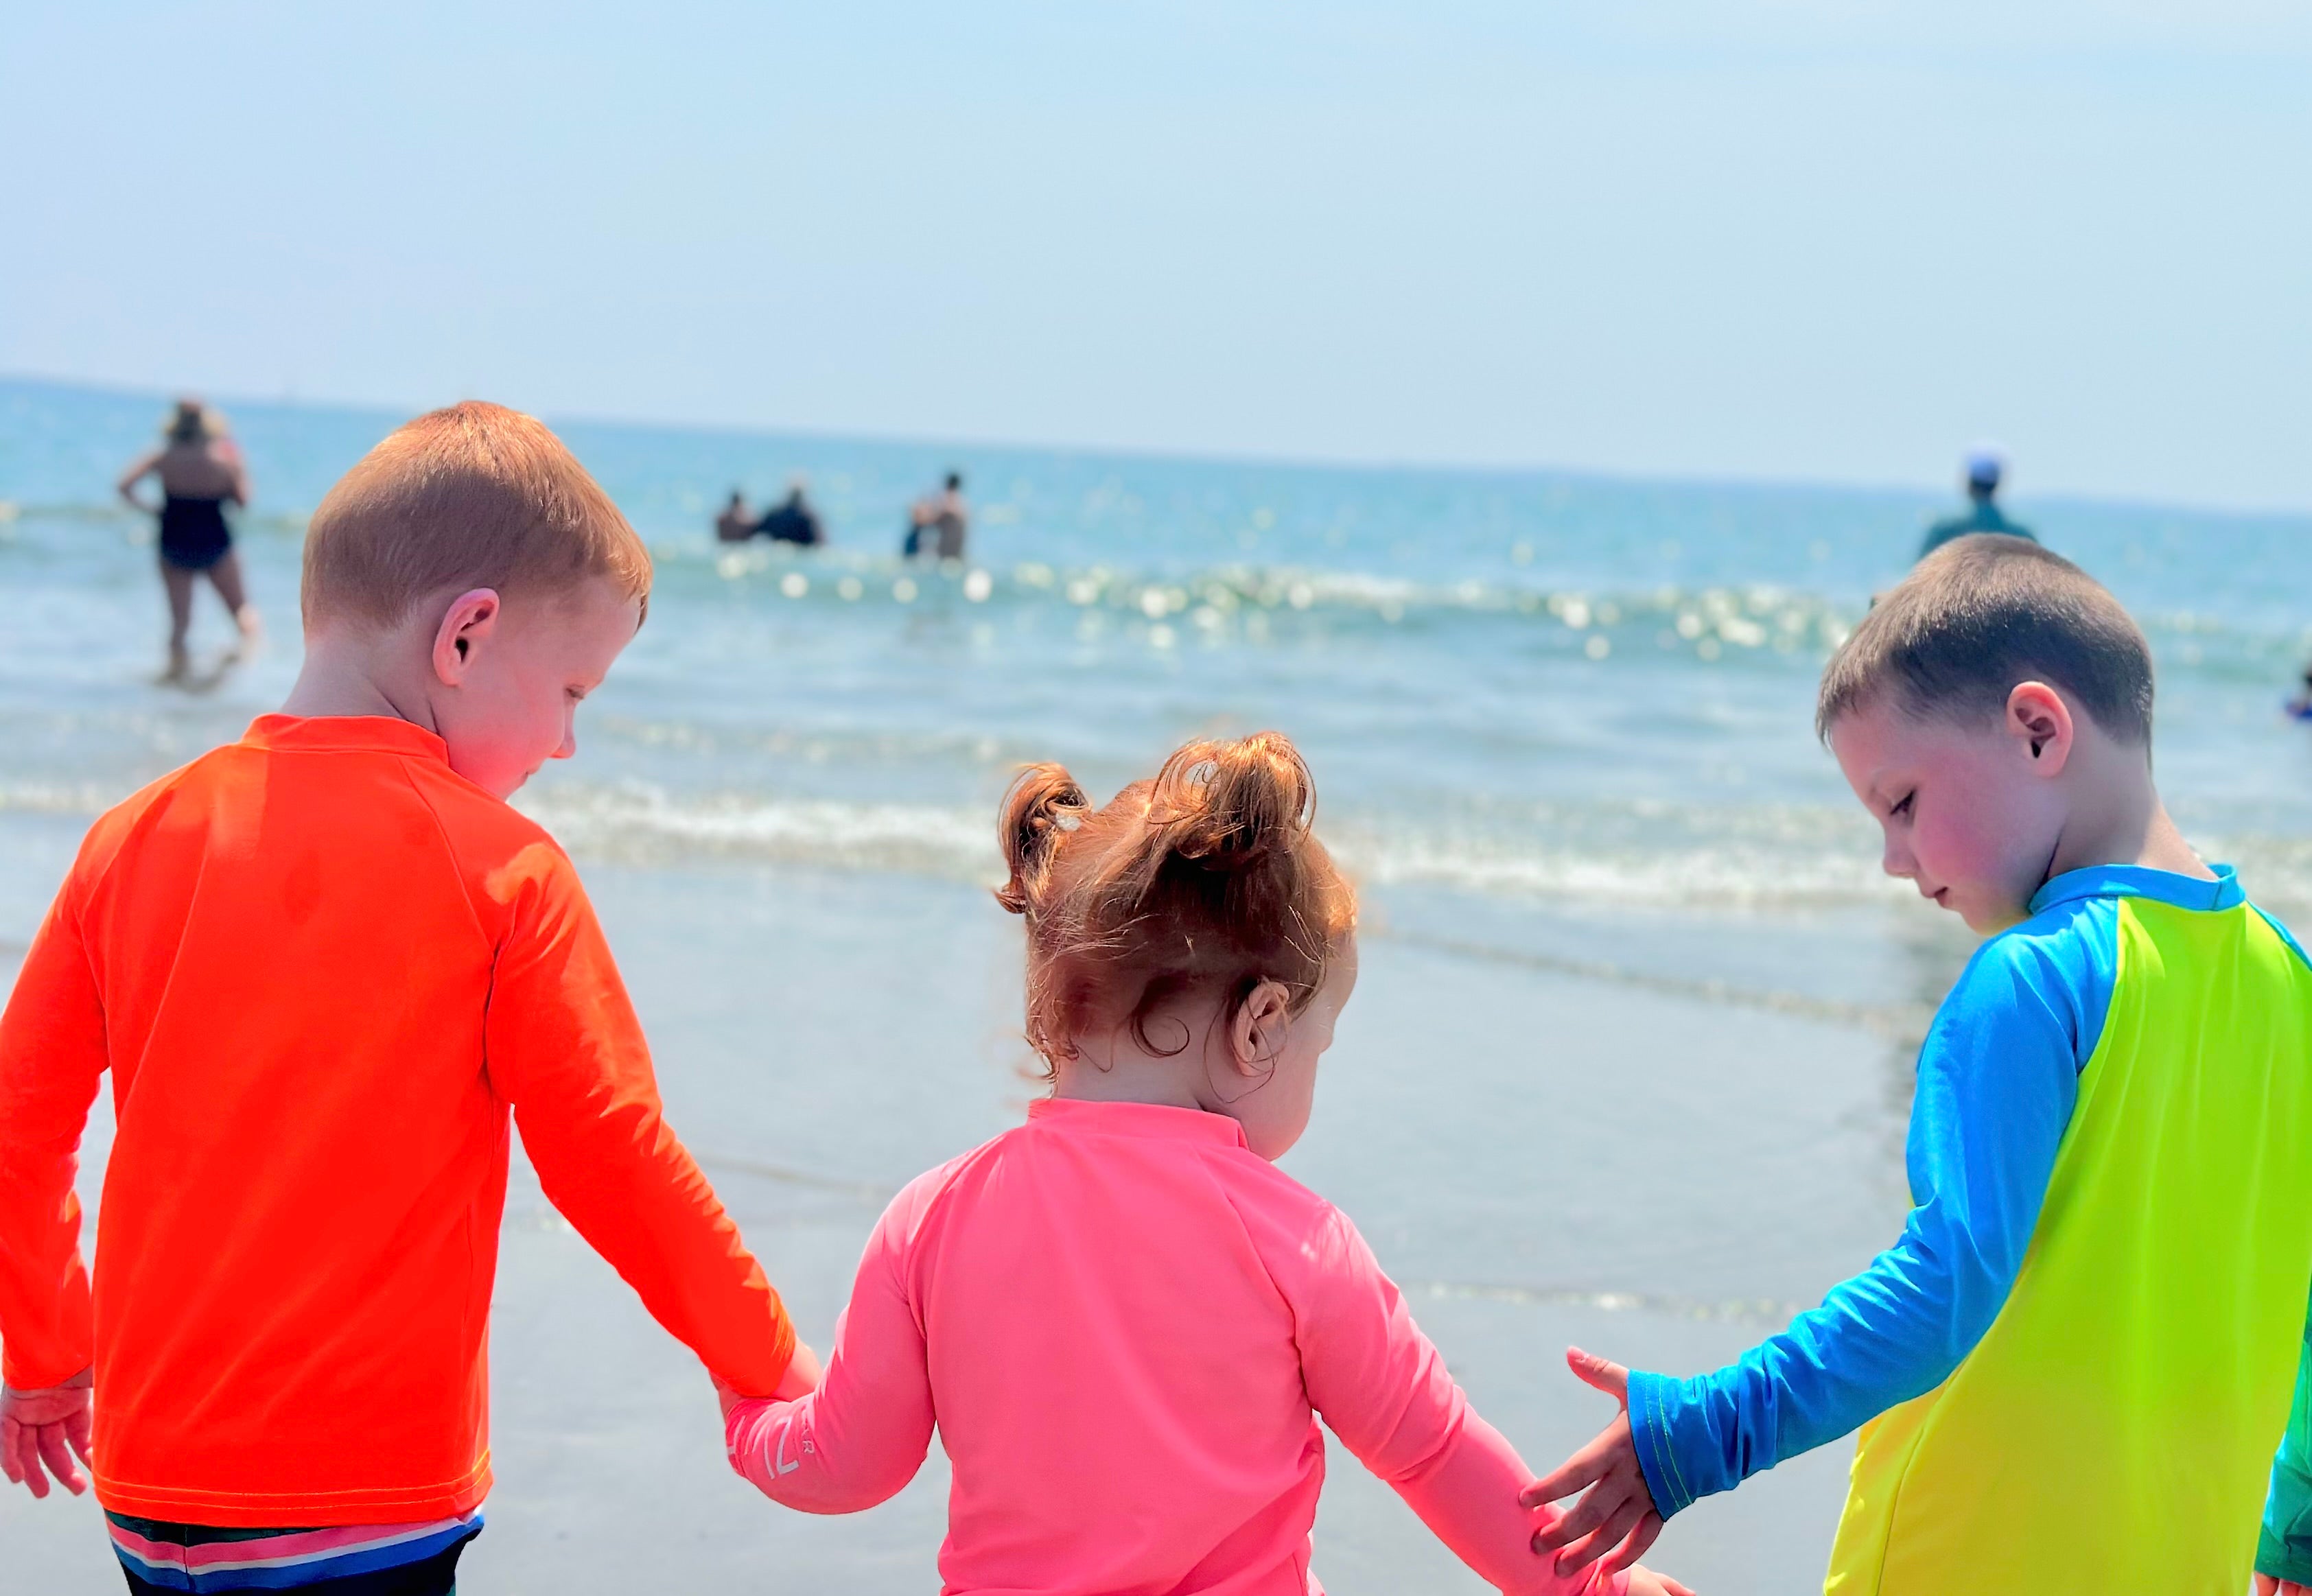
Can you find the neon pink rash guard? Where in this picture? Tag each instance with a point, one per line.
(1124, 1324)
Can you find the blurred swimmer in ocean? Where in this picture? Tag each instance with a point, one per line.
(938, 523)
(736, 524)
(794, 518)
(199, 468)
(1985, 468)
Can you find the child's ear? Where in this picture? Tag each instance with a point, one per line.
(2041, 721)
(471, 619)
(1257, 1034)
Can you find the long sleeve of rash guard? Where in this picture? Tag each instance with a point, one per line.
(565, 1049)
(52, 1060)
(861, 1436)
(2285, 1549)
(1998, 1077)
(1383, 1388)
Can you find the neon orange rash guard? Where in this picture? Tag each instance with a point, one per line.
(323, 970)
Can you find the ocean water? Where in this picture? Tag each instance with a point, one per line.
(1561, 729)
(1522, 687)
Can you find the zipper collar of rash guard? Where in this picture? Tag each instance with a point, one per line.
(2141, 881)
(1153, 1119)
(344, 734)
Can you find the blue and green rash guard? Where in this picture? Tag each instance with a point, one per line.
(2107, 1158)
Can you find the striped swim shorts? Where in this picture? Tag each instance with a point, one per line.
(358, 1560)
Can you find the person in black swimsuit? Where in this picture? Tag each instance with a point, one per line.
(199, 470)
(193, 533)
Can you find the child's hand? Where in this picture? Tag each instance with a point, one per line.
(2265, 1585)
(1645, 1581)
(47, 1426)
(1618, 1507)
(802, 1379)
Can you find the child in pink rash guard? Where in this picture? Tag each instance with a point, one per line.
(1121, 1317)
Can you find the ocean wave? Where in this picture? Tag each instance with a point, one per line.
(1253, 599)
(1772, 856)
(58, 797)
(1788, 857)
(1688, 872)
(1648, 854)
(111, 512)
(637, 822)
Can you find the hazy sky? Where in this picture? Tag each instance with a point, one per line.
(1796, 239)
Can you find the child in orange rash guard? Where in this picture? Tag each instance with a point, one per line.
(324, 964)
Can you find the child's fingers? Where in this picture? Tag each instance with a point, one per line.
(59, 1458)
(23, 1461)
(1649, 1530)
(1584, 1468)
(1599, 1374)
(1671, 1587)
(10, 1430)
(1601, 1540)
(76, 1432)
(1604, 1501)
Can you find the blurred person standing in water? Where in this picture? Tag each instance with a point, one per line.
(200, 470)
(1984, 468)
(794, 518)
(736, 524)
(938, 523)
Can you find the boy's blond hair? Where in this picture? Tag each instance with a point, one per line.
(1979, 614)
(474, 495)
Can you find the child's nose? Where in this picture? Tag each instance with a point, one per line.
(1896, 860)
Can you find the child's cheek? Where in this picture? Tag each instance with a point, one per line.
(1962, 849)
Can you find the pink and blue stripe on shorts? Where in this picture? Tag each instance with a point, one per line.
(168, 1557)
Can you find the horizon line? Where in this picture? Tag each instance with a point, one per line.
(1149, 452)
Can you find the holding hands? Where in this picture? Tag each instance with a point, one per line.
(47, 1427)
(1617, 1515)
(802, 1378)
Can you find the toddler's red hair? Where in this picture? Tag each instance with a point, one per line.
(1209, 879)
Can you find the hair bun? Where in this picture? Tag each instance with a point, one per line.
(1230, 806)
(1043, 802)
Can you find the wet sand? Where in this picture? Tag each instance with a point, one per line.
(1539, 1158)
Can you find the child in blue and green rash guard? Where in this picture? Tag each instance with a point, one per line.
(2073, 1366)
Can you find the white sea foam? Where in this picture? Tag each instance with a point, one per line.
(1655, 855)
(56, 798)
(1779, 859)
(638, 821)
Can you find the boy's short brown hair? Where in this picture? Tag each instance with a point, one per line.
(471, 496)
(1979, 614)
